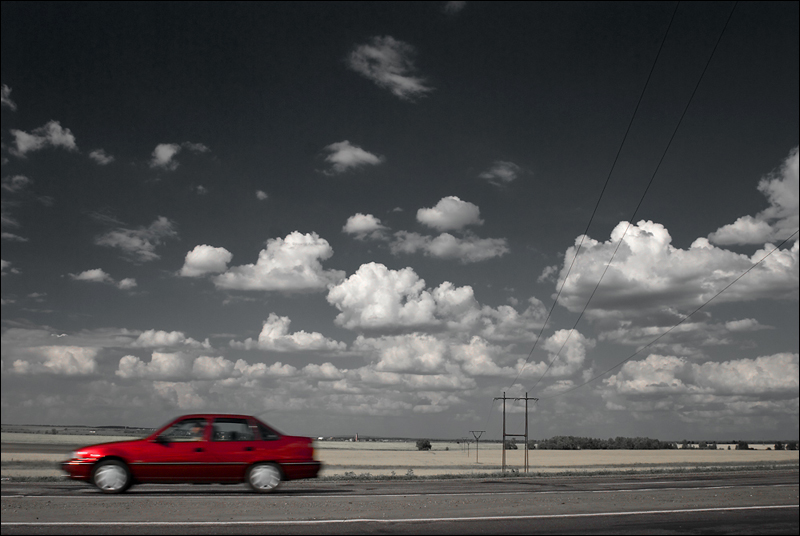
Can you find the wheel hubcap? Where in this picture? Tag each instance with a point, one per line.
(265, 477)
(110, 477)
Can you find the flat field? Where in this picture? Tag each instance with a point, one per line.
(401, 458)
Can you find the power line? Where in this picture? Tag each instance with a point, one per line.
(641, 199)
(602, 192)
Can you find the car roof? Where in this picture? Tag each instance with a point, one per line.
(213, 416)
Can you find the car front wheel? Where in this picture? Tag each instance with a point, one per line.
(264, 477)
(112, 476)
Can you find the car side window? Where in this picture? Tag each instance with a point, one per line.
(231, 429)
(267, 433)
(185, 430)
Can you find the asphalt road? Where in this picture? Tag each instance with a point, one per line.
(709, 503)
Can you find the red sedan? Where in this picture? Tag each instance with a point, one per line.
(198, 449)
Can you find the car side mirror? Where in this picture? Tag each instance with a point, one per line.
(162, 439)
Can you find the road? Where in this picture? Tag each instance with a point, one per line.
(741, 502)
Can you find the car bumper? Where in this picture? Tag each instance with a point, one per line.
(77, 470)
(298, 470)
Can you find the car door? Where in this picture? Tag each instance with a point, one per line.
(233, 446)
(177, 454)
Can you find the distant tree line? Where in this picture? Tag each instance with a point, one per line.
(591, 443)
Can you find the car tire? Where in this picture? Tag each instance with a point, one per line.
(264, 477)
(112, 476)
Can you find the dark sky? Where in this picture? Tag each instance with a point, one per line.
(354, 217)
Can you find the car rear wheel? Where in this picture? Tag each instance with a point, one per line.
(264, 477)
(112, 476)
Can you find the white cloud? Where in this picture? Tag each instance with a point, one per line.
(50, 135)
(205, 259)
(365, 226)
(13, 237)
(6, 267)
(140, 243)
(98, 275)
(275, 337)
(5, 98)
(649, 275)
(344, 156)
(212, 368)
(261, 370)
(100, 156)
(420, 353)
(775, 223)
(446, 246)
(162, 366)
(164, 154)
(774, 376)
(290, 264)
(567, 352)
(389, 63)
(377, 298)
(501, 173)
(450, 213)
(16, 183)
(261, 195)
(63, 360)
(451, 8)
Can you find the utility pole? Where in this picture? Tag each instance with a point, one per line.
(477, 441)
(525, 435)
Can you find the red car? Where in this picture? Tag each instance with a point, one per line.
(198, 449)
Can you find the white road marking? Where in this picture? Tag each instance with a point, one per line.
(368, 520)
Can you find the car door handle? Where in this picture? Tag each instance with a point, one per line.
(248, 448)
(198, 449)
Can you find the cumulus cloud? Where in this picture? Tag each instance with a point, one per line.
(205, 259)
(153, 338)
(98, 275)
(62, 360)
(501, 173)
(466, 250)
(419, 353)
(100, 156)
(140, 244)
(212, 368)
(52, 134)
(162, 366)
(450, 213)
(776, 222)
(649, 275)
(290, 264)
(164, 154)
(5, 98)
(377, 298)
(344, 156)
(389, 63)
(658, 376)
(261, 195)
(364, 226)
(275, 337)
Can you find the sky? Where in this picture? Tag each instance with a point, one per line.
(377, 218)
